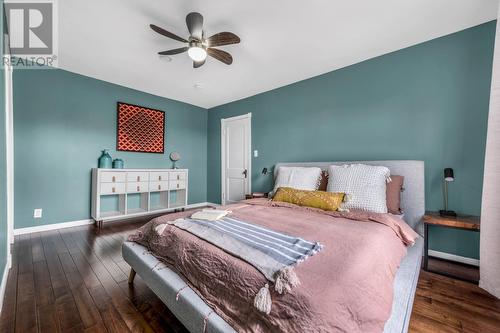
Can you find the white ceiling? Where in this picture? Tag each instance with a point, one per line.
(282, 41)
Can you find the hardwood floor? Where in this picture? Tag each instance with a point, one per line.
(463, 271)
(75, 280)
(448, 305)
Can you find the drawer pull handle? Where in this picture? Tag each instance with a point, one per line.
(113, 179)
(138, 178)
(159, 177)
(138, 188)
(159, 187)
(178, 177)
(113, 190)
(177, 185)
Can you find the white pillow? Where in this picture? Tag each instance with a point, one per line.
(364, 185)
(299, 178)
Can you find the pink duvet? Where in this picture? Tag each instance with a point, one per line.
(347, 287)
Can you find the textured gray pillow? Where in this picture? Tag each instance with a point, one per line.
(364, 185)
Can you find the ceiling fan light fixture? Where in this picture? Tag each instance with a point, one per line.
(197, 53)
(196, 45)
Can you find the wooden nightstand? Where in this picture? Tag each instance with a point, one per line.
(464, 222)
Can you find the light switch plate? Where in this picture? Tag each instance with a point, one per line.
(37, 213)
(255, 153)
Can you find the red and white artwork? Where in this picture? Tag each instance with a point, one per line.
(140, 129)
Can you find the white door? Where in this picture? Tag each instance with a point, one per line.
(236, 159)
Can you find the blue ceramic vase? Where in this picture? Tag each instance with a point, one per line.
(105, 161)
(118, 163)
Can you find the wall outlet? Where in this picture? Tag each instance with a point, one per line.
(37, 213)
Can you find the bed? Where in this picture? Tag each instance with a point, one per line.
(197, 316)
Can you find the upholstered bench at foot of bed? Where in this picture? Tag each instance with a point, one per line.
(188, 307)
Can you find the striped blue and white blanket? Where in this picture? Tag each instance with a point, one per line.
(273, 253)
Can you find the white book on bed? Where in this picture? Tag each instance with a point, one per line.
(210, 214)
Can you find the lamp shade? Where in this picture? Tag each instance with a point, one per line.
(448, 175)
(197, 53)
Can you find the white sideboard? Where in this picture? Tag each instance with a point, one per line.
(122, 193)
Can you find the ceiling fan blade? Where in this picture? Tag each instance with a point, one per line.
(197, 64)
(223, 38)
(166, 33)
(220, 55)
(194, 22)
(174, 51)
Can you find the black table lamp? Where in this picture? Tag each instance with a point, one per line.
(448, 177)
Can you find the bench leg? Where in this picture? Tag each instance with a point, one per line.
(131, 276)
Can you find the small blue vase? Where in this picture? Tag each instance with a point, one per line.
(105, 161)
(118, 163)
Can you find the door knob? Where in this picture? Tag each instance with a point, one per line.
(245, 173)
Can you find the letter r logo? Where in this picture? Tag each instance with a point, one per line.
(30, 27)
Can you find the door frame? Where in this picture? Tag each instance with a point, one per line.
(223, 122)
(9, 151)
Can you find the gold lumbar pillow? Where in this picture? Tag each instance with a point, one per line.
(318, 199)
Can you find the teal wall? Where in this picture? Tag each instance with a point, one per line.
(428, 102)
(3, 179)
(3, 165)
(63, 120)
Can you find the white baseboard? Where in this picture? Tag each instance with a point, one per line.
(70, 224)
(54, 226)
(454, 257)
(201, 204)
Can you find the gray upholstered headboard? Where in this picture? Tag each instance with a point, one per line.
(412, 198)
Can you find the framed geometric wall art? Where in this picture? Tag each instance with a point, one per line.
(140, 129)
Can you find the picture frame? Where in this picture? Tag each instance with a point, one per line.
(140, 129)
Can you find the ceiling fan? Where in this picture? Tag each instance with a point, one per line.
(198, 47)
